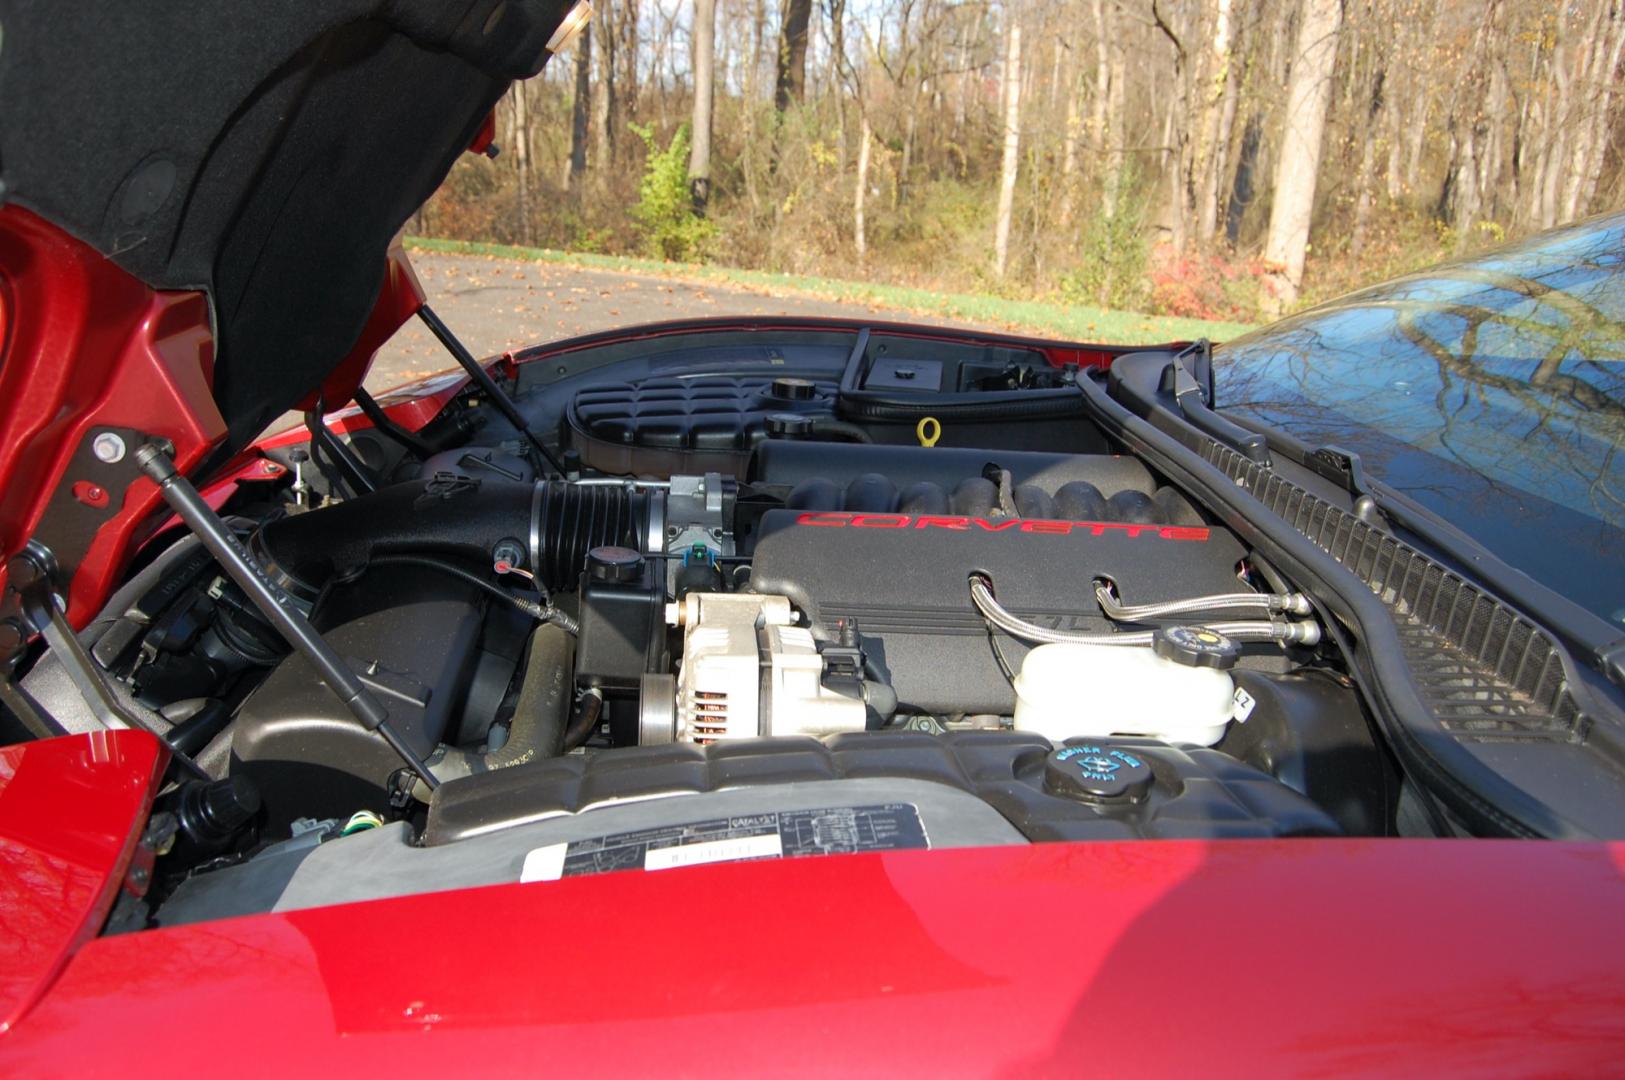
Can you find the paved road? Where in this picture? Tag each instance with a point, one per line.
(497, 304)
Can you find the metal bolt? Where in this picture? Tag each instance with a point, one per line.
(108, 447)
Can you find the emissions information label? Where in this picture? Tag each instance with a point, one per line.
(788, 833)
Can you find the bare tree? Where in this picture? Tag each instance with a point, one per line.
(699, 153)
(1256, 122)
(790, 83)
(1012, 148)
(521, 141)
(604, 109)
(580, 112)
(1218, 114)
(1296, 171)
(860, 241)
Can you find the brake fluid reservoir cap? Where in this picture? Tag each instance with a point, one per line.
(1097, 772)
(1196, 646)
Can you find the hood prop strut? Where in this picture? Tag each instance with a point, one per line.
(289, 621)
(29, 574)
(487, 385)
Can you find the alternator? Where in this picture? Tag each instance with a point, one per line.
(747, 670)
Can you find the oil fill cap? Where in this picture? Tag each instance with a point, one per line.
(1097, 773)
(1195, 646)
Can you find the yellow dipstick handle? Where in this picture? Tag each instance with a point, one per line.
(928, 431)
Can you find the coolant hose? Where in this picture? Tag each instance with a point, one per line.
(537, 729)
(1305, 632)
(1256, 603)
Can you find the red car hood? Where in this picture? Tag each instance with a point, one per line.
(1165, 958)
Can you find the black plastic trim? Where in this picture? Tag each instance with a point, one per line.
(1486, 801)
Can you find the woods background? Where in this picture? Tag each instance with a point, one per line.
(1207, 158)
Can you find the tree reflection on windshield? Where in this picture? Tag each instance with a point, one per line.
(1491, 391)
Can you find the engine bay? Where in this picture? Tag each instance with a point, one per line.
(722, 594)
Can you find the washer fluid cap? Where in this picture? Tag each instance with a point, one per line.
(1196, 646)
(1098, 772)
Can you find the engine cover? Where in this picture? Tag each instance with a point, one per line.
(903, 578)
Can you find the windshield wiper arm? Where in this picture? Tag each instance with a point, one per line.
(1385, 506)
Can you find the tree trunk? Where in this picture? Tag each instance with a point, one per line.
(1116, 110)
(1544, 191)
(1590, 53)
(1308, 92)
(1069, 151)
(1603, 116)
(580, 111)
(521, 155)
(859, 241)
(1219, 115)
(1177, 137)
(1012, 150)
(790, 84)
(1421, 69)
(626, 52)
(1364, 178)
(699, 151)
(603, 102)
(968, 80)
(1245, 185)
(838, 64)
(905, 167)
(1394, 178)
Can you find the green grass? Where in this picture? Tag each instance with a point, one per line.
(1034, 316)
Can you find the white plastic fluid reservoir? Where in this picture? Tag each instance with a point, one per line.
(1177, 689)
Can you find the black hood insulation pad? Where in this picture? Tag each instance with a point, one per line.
(266, 153)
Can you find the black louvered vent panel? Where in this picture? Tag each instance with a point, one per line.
(1487, 673)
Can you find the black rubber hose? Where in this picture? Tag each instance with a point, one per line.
(411, 442)
(592, 707)
(537, 729)
(881, 702)
(1039, 406)
(540, 612)
(826, 427)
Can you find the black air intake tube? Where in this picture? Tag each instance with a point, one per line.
(553, 522)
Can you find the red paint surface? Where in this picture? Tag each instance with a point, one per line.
(71, 814)
(842, 519)
(90, 346)
(487, 134)
(1146, 959)
(97, 348)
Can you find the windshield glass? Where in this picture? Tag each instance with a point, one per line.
(1491, 391)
